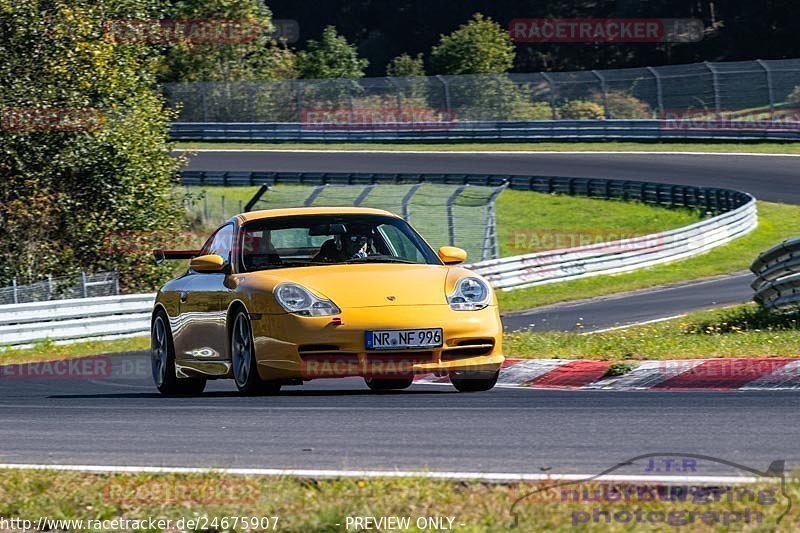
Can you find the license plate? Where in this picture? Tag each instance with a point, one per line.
(403, 339)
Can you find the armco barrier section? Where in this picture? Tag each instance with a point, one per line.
(81, 318)
(537, 130)
(777, 271)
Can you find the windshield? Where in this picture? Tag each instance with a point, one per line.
(310, 240)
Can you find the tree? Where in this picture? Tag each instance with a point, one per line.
(253, 56)
(481, 46)
(404, 66)
(83, 154)
(330, 57)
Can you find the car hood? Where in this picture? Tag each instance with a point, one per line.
(365, 285)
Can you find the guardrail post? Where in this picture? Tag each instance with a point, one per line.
(451, 225)
(446, 86)
(553, 93)
(715, 82)
(603, 93)
(770, 88)
(659, 91)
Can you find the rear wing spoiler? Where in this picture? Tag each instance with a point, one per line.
(163, 255)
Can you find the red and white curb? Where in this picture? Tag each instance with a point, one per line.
(758, 373)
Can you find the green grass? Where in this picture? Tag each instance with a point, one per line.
(742, 331)
(776, 223)
(48, 351)
(529, 221)
(722, 147)
(323, 505)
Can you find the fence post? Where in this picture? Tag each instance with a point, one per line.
(49, 287)
(553, 93)
(603, 93)
(222, 202)
(407, 200)
(499, 96)
(299, 100)
(116, 281)
(397, 98)
(14, 296)
(770, 88)
(451, 224)
(446, 95)
(715, 82)
(659, 91)
(203, 90)
(83, 284)
(205, 206)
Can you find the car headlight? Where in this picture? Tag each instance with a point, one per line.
(299, 300)
(470, 294)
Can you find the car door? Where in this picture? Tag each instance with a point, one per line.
(203, 336)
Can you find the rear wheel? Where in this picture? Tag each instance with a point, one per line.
(474, 381)
(379, 384)
(162, 362)
(243, 359)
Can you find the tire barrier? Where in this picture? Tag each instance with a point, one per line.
(777, 271)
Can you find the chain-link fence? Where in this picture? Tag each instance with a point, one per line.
(83, 285)
(446, 215)
(742, 90)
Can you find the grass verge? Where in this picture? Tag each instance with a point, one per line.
(741, 331)
(776, 222)
(721, 147)
(49, 351)
(325, 505)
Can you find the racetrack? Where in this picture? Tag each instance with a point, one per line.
(339, 424)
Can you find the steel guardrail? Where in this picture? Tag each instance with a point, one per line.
(777, 270)
(537, 130)
(74, 319)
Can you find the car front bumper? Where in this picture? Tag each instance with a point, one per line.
(291, 346)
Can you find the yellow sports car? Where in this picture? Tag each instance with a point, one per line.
(282, 296)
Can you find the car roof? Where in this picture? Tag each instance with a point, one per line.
(296, 211)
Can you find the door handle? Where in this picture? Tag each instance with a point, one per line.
(184, 294)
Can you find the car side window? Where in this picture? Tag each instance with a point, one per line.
(220, 243)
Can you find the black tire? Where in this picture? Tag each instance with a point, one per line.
(380, 384)
(243, 359)
(474, 381)
(162, 362)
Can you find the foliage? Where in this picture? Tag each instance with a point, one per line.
(794, 96)
(581, 109)
(330, 57)
(481, 46)
(63, 192)
(251, 58)
(404, 65)
(622, 105)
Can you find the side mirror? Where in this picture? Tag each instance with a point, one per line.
(207, 263)
(450, 255)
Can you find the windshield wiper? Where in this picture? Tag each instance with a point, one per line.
(380, 259)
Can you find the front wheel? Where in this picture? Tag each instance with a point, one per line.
(243, 359)
(377, 384)
(474, 381)
(162, 362)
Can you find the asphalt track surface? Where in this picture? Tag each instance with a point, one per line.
(328, 424)
(338, 424)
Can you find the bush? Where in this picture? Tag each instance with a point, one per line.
(581, 109)
(521, 110)
(623, 105)
(794, 96)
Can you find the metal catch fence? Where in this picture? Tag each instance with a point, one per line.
(732, 91)
(84, 285)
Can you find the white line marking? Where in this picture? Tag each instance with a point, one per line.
(482, 152)
(643, 323)
(332, 474)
